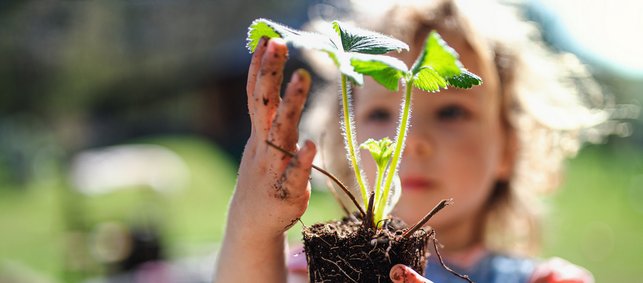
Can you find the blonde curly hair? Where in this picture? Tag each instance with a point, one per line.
(550, 105)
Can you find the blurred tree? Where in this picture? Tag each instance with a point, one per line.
(95, 73)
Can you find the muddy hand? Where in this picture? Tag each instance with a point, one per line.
(272, 189)
(402, 273)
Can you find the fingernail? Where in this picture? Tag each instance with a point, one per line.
(276, 45)
(302, 75)
(308, 149)
(264, 41)
(398, 273)
(308, 145)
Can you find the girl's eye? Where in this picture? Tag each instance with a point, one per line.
(378, 115)
(452, 113)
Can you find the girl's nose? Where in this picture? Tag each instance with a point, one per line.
(418, 143)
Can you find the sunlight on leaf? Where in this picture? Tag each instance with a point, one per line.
(266, 28)
(438, 55)
(358, 40)
(381, 150)
(343, 62)
(385, 70)
(346, 54)
(300, 39)
(429, 80)
(438, 67)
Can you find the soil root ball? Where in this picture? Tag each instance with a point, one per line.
(344, 251)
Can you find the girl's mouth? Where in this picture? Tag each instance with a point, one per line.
(416, 184)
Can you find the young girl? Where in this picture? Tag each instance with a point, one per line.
(489, 148)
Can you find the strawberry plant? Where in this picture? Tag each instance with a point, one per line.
(334, 250)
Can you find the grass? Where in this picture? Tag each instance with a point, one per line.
(33, 220)
(31, 229)
(595, 219)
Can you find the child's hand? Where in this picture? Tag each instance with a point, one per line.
(272, 190)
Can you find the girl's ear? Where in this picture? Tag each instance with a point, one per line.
(509, 154)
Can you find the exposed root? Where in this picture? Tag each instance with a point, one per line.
(437, 252)
(330, 185)
(442, 204)
(341, 269)
(347, 251)
(292, 223)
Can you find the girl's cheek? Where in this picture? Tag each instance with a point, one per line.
(459, 132)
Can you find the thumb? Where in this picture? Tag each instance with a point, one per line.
(402, 273)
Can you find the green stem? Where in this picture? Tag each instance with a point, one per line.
(378, 184)
(399, 146)
(350, 140)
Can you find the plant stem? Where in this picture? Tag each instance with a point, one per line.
(399, 147)
(350, 140)
(329, 184)
(368, 219)
(442, 204)
(378, 185)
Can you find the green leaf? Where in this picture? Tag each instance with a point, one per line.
(438, 55)
(266, 28)
(384, 69)
(381, 150)
(438, 67)
(300, 39)
(428, 79)
(364, 41)
(465, 80)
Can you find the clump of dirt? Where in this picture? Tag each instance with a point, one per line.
(347, 251)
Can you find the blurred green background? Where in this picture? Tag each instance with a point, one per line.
(126, 120)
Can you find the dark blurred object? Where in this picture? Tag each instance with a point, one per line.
(82, 74)
(146, 247)
(109, 70)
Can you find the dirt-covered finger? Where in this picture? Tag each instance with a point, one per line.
(284, 130)
(266, 93)
(401, 273)
(292, 185)
(255, 64)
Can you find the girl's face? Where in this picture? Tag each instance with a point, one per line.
(455, 146)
